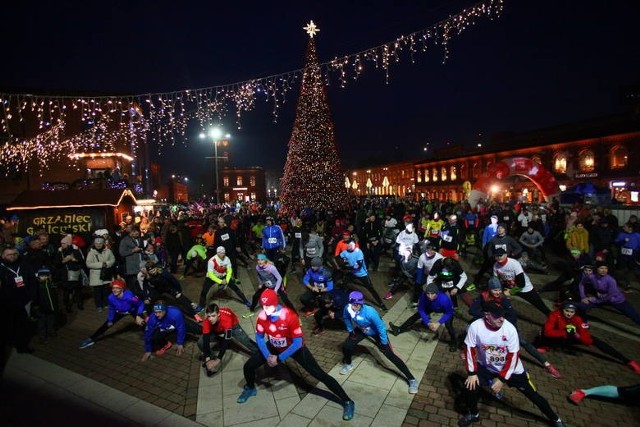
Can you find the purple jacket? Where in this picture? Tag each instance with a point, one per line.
(605, 286)
(127, 304)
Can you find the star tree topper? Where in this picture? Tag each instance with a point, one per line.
(311, 29)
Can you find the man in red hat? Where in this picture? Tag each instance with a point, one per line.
(279, 337)
(122, 303)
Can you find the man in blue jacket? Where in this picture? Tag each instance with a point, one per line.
(363, 321)
(317, 280)
(161, 324)
(272, 239)
(353, 259)
(431, 301)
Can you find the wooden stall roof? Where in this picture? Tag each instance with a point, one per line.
(43, 199)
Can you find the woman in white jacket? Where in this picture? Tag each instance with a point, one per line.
(98, 257)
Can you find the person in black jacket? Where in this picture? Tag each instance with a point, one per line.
(372, 241)
(18, 290)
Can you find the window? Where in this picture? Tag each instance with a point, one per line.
(619, 157)
(464, 175)
(419, 175)
(560, 163)
(488, 166)
(586, 161)
(239, 181)
(475, 170)
(443, 173)
(434, 174)
(226, 196)
(454, 175)
(225, 181)
(426, 175)
(252, 181)
(253, 196)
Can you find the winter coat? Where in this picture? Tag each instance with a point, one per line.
(95, 260)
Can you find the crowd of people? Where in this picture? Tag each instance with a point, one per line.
(134, 270)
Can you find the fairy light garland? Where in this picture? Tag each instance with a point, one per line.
(166, 115)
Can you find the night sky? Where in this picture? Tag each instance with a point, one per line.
(542, 63)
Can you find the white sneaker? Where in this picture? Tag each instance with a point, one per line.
(346, 368)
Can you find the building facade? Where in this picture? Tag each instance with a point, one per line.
(395, 179)
(242, 184)
(598, 153)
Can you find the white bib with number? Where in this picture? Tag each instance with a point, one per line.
(278, 342)
(626, 251)
(272, 240)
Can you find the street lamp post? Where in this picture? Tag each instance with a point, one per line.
(215, 134)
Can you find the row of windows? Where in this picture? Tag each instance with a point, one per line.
(618, 159)
(239, 180)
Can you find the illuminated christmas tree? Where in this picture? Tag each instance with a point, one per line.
(313, 174)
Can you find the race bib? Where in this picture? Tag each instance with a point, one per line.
(626, 251)
(298, 235)
(272, 240)
(320, 286)
(447, 285)
(278, 342)
(224, 237)
(268, 284)
(447, 238)
(168, 328)
(506, 218)
(312, 251)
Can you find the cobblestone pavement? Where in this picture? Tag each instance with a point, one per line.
(171, 382)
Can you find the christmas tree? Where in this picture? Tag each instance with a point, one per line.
(313, 174)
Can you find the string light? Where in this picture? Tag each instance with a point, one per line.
(166, 115)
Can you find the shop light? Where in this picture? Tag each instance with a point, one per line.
(618, 184)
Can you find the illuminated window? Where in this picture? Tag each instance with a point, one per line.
(619, 157)
(226, 196)
(434, 175)
(426, 176)
(253, 196)
(454, 175)
(225, 181)
(560, 163)
(475, 170)
(536, 159)
(488, 166)
(252, 182)
(419, 175)
(239, 180)
(586, 160)
(464, 172)
(443, 173)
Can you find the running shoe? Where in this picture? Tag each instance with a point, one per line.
(468, 419)
(86, 343)
(164, 349)
(413, 386)
(248, 314)
(395, 330)
(308, 313)
(635, 366)
(349, 410)
(388, 295)
(576, 396)
(346, 368)
(317, 331)
(553, 371)
(246, 394)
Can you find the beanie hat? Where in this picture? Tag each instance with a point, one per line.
(493, 308)
(316, 262)
(431, 288)
(499, 252)
(67, 239)
(99, 240)
(263, 257)
(494, 283)
(269, 298)
(356, 297)
(43, 271)
(600, 264)
(570, 304)
(118, 284)
(221, 249)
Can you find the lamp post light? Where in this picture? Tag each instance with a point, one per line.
(215, 134)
